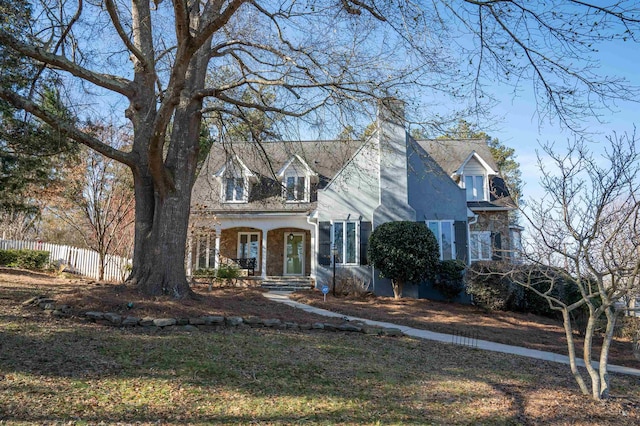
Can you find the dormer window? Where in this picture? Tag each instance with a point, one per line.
(473, 177)
(296, 188)
(296, 178)
(475, 187)
(234, 180)
(235, 189)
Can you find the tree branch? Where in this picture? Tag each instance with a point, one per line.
(110, 82)
(115, 19)
(67, 129)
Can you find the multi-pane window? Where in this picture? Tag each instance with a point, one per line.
(444, 233)
(480, 245)
(249, 245)
(205, 252)
(235, 189)
(295, 188)
(474, 186)
(345, 238)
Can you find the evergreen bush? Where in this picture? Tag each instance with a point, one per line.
(449, 280)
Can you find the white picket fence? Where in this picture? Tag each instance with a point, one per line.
(79, 261)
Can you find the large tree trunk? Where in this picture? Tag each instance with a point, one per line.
(162, 219)
(159, 258)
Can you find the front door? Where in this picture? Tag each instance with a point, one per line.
(294, 254)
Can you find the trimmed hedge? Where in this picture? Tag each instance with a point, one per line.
(27, 259)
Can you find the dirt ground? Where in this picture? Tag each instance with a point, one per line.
(503, 327)
(527, 330)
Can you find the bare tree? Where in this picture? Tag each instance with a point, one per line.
(98, 201)
(173, 62)
(585, 238)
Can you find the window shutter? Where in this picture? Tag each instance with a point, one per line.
(324, 243)
(461, 240)
(496, 242)
(365, 233)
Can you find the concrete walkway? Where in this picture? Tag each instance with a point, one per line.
(283, 297)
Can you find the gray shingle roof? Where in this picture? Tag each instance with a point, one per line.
(325, 158)
(451, 153)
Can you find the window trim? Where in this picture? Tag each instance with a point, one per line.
(454, 253)
(483, 235)
(343, 249)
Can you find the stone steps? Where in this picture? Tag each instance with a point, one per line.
(287, 283)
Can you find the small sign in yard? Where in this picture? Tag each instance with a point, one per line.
(325, 290)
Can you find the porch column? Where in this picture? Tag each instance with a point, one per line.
(189, 265)
(314, 256)
(263, 267)
(217, 248)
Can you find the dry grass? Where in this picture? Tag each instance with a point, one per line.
(60, 371)
(510, 328)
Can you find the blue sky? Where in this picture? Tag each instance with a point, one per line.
(520, 128)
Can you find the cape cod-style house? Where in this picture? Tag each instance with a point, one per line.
(306, 209)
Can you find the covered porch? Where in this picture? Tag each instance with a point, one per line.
(276, 246)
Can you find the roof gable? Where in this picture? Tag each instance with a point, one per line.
(291, 163)
(479, 159)
(453, 154)
(234, 161)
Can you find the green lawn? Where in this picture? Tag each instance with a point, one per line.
(76, 373)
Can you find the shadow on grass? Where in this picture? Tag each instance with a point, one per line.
(527, 330)
(232, 376)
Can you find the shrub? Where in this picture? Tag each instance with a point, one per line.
(204, 273)
(27, 259)
(225, 272)
(349, 285)
(404, 252)
(490, 288)
(449, 280)
(628, 327)
(8, 257)
(229, 272)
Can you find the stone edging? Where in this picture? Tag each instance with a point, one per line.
(203, 322)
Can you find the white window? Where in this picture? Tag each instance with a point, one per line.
(205, 252)
(475, 187)
(295, 188)
(345, 242)
(480, 245)
(249, 246)
(236, 189)
(445, 234)
(516, 245)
